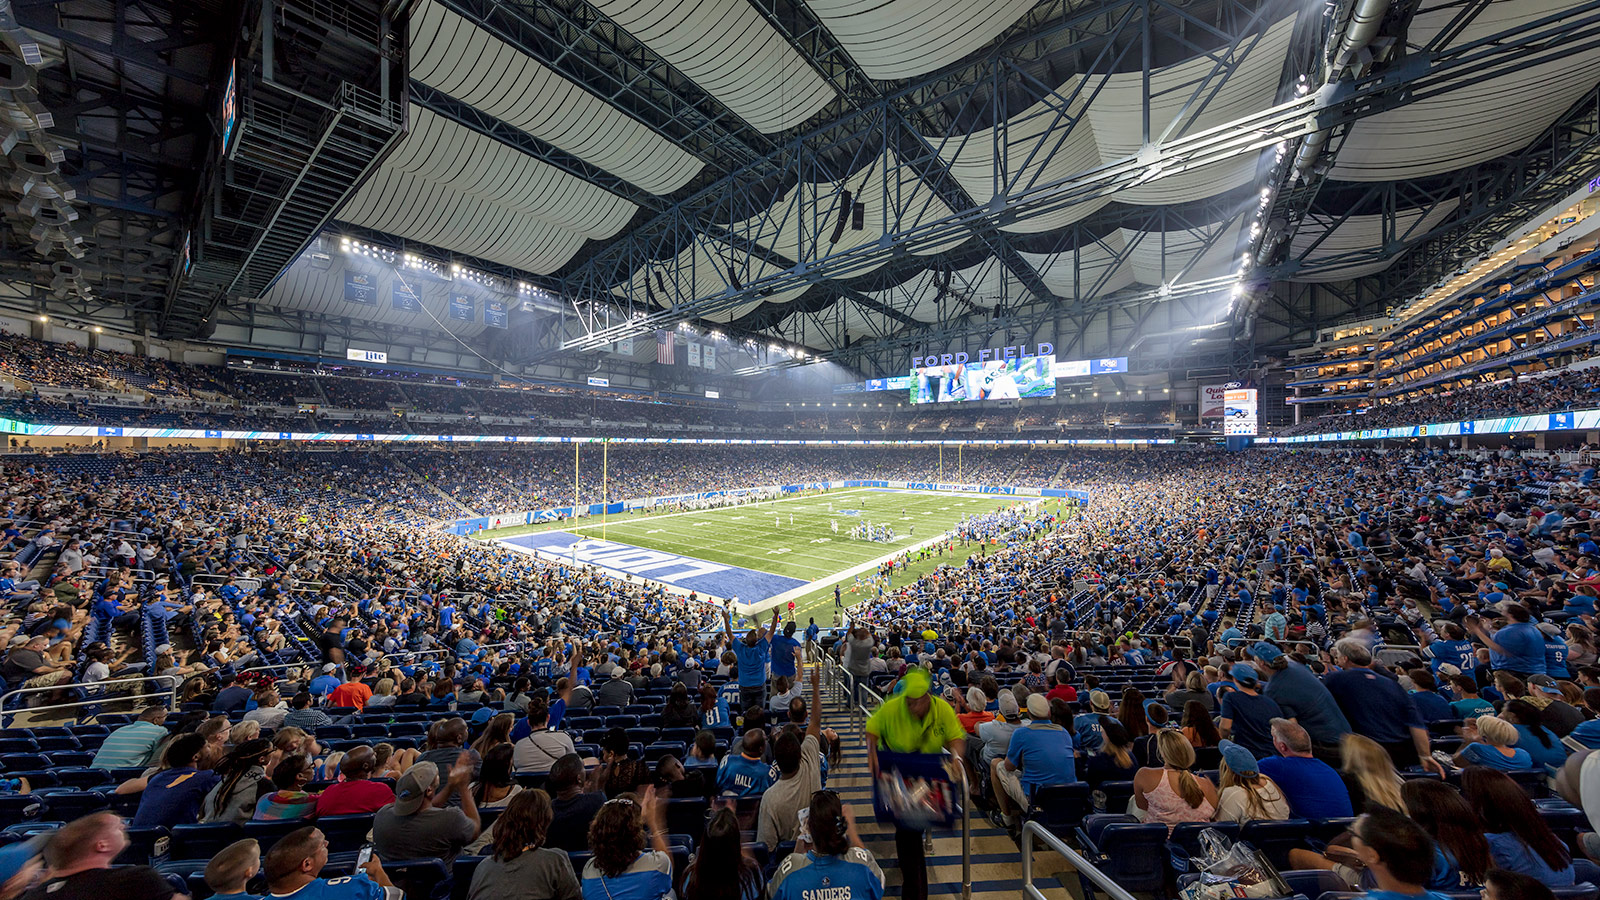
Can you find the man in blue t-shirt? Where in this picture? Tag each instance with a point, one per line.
(292, 865)
(1246, 713)
(1517, 648)
(752, 652)
(1452, 648)
(1039, 755)
(784, 653)
(1378, 707)
(743, 772)
(1300, 695)
(1555, 651)
(1312, 787)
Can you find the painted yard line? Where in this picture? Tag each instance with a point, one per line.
(795, 560)
(761, 606)
(694, 512)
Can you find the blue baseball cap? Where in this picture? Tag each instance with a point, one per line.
(1240, 760)
(1244, 673)
(1266, 651)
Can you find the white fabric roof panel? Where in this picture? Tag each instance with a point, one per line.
(1112, 129)
(791, 228)
(708, 278)
(1474, 123)
(1156, 256)
(891, 39)
(443, 152)
(1359, 233)
(1085, 273)
(409, 206)
(314, 288)
(728, 50)
(1251, 85)
(453, 55)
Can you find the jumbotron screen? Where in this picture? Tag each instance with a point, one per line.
(997, 379)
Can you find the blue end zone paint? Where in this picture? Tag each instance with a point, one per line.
(849, 512)
(715, 579)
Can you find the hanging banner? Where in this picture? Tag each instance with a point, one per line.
(708, 356)
(494, 313)
(405, 299)
(463, 307)
(623, 347)
(1213, 400)
(694, 354)
(359, 287)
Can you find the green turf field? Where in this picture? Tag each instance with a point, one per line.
(749, 537)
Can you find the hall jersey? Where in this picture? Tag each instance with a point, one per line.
(358, 887)
(852, 876)
(743, 777)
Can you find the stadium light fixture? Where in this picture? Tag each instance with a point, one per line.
(98, 329)
(43, 318)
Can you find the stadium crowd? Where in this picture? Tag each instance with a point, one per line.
(1291, 638)
(1572, 389)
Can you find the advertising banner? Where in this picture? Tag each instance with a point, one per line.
(1213, 400)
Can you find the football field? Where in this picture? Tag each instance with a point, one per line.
(784, 549)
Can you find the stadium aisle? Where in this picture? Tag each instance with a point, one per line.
(996, 863)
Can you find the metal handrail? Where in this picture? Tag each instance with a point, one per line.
(105, 698)
(1087, 869)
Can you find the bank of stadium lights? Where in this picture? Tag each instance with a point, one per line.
(362, 248)
(422, 264)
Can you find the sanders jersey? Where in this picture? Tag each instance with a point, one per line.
(853, 876)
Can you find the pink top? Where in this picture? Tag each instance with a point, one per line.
(1167, 806)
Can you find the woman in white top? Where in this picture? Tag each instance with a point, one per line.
(1247, 795)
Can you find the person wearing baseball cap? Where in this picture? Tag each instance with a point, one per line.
(1247, 714)
(420, 823)
(1302, 696)
(1088, 730)
(995, 735)
(1247, 795)
(913, 721)
(1040, 755)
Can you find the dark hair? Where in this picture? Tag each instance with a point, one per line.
(616, 835)
(524, 825)
(1400, 844)
(1446, 816)
(496, 770)
(1530, 717)
(301, 700)
(286, 775)
(565, 773)
(786, 752)
(183, 749)
(1517, 886)
(720, 854)
(830, 833)
(238, 763)
(1131, 714)
(1196, 716)
(627, 776)
(1505, 808)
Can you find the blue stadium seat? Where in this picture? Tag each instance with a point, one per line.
(71, 805)
(202, 841)
(267, 833)
(20, 807)
(1133, 855)
(1276, 839)
(346, 832)
(1059, 808)
(417, 877)
(143, 844)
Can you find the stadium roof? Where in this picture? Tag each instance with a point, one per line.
(839, 171)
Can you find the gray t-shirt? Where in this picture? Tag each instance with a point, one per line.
(439, 833)
(858, 657)
(542, 874)
(779, 816)
(616, 692)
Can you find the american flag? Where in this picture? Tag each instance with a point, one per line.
(664, 347)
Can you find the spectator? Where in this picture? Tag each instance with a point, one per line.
(1039, 755)
(1198, 726)
(233, 697)
(1540, 742)
(243, 779)
(1467, 702)
(799, 763)
(994, 736)
(835, 858)
(721, 868)
(1461, 853)
(1378, 707)
(1312, 787)
(1247, 795)
(1300, 695)
(80, 856)
(303, 715)
(573, 808)
(1369, 775)
(134, 745)
(446, 738)
(495, 785)
(521, 867)
(1518, 647)
(173, 795)
(1397, 853)
(352, 692)
(540, 749)
(1502, 885)
(21, 863)
(29, 665)
(290, 800)
(270, 709)
(1491, 744)
(355, 792)
(420, 823)
(1247, 714)
(228, 873)
(622, 866)
(746, 773)
(1519, 839)
(294, 861)
(1114, 760)
(1173, 794)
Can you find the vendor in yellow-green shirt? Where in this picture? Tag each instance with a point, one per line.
(914, 721)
